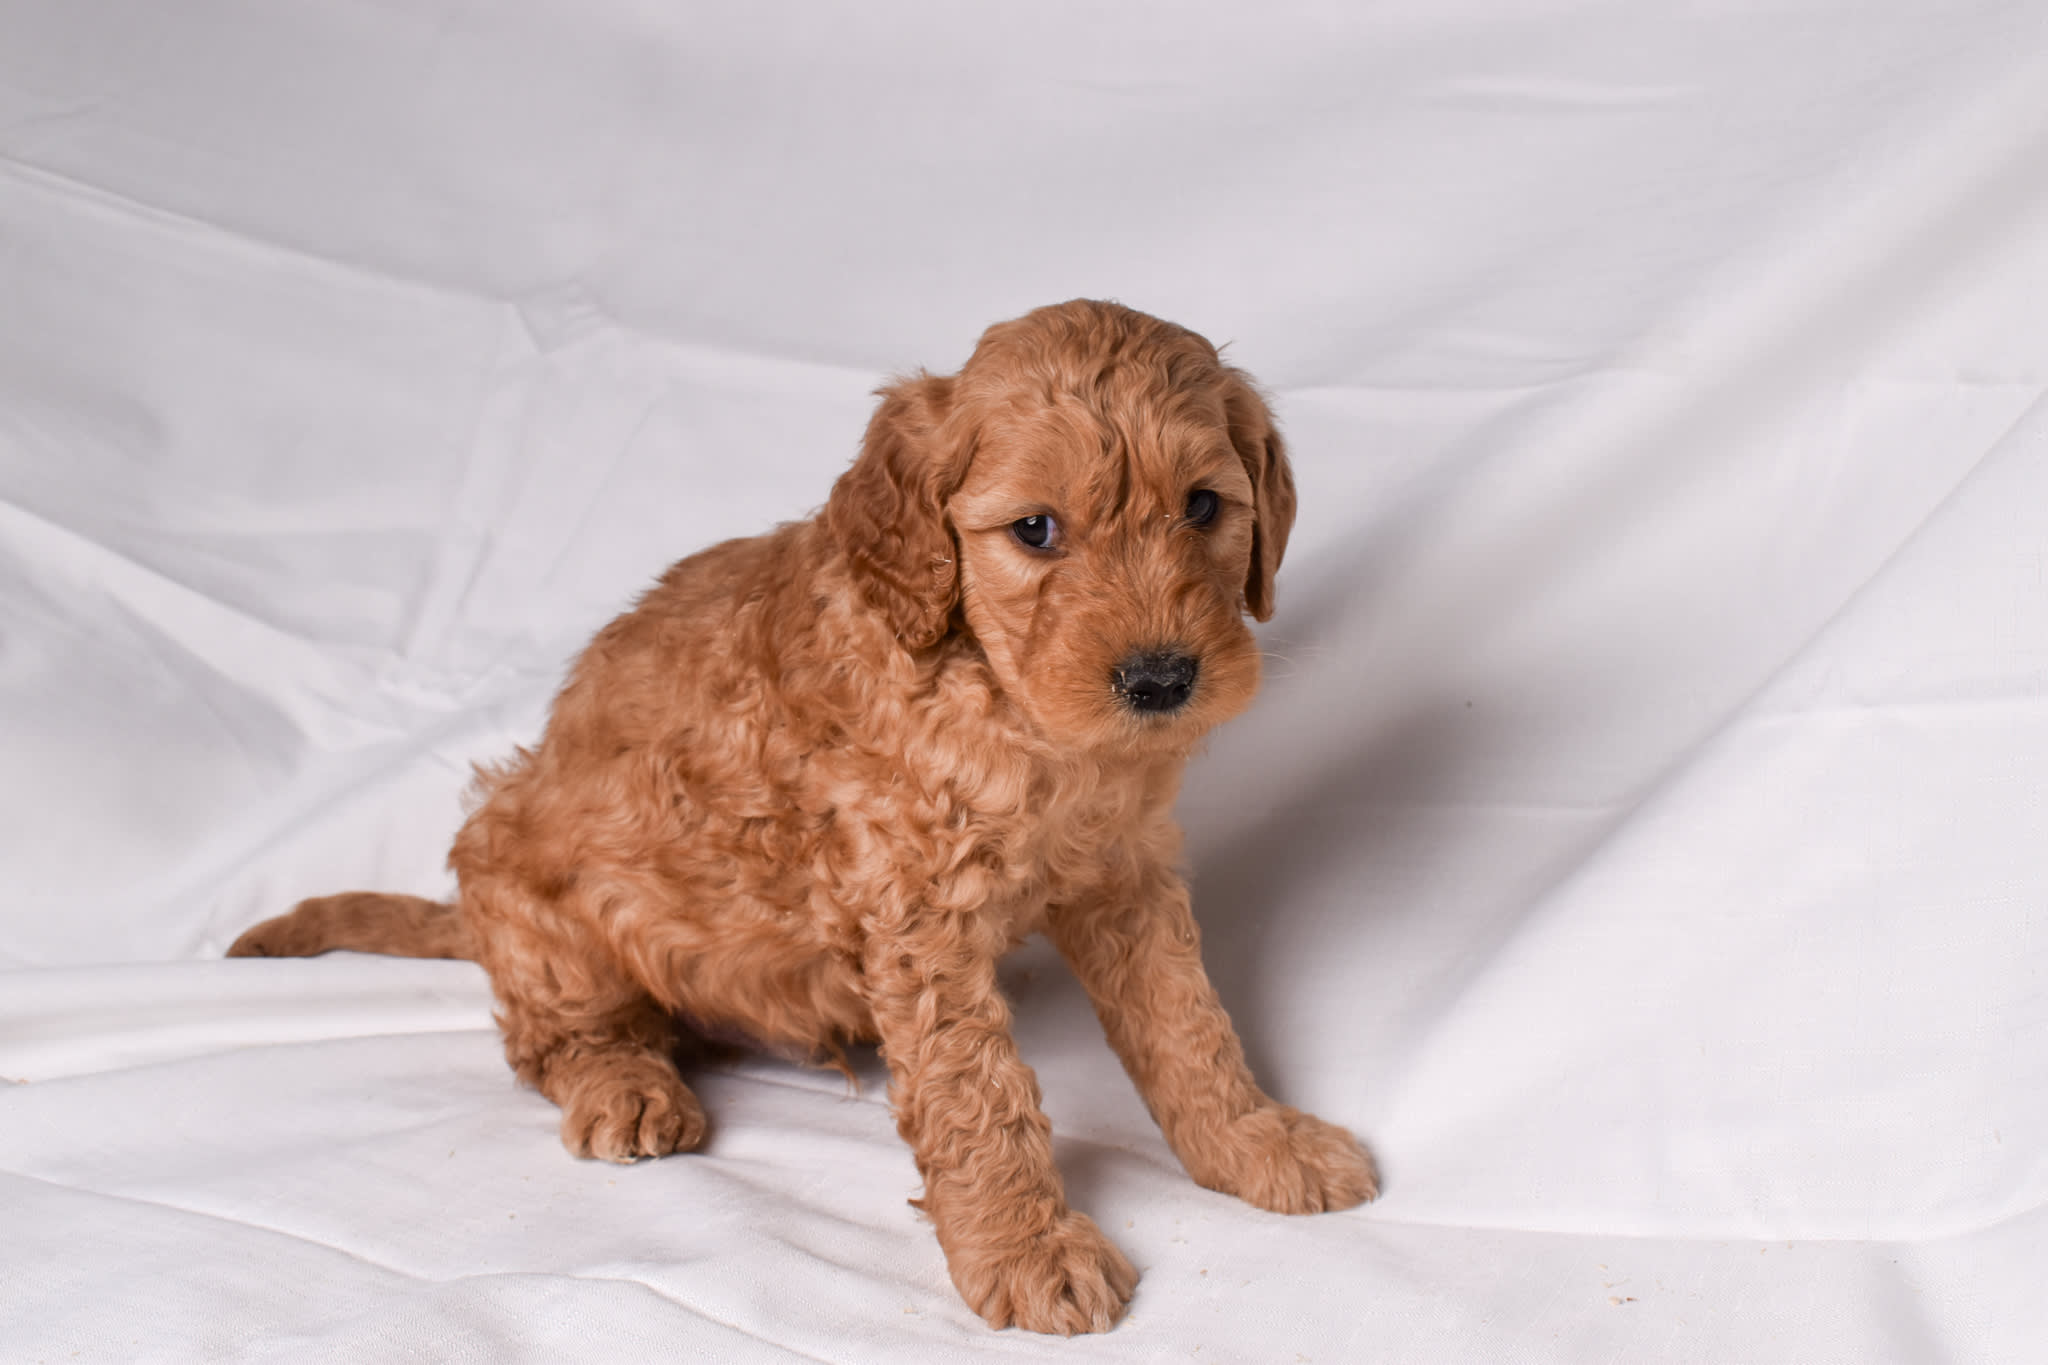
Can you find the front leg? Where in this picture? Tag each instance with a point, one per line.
(969, 1108)
(1137, 950)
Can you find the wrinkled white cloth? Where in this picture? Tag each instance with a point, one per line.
(1640, 839)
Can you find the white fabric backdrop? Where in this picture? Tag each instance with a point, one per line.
(1640, 839)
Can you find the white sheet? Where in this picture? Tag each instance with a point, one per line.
(1640, 839)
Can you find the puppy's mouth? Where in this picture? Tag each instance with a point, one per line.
(1155, 682)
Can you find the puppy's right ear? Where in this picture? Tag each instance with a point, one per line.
(887, 512)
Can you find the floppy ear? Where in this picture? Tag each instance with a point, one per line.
(887, 512)
(1265, 459)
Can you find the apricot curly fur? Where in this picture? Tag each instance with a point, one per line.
(817, 782)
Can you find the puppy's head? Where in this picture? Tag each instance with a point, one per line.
(1098, 501)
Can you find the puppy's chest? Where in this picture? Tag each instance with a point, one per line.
(1003, 834)
(935, 797)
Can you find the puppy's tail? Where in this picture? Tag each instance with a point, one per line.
(362, 922)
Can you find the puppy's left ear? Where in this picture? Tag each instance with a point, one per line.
(1265, 458)
(887, 512)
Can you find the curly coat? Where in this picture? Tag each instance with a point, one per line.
(817, 782)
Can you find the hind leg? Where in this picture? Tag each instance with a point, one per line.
(618, 1088)
(582, 1033)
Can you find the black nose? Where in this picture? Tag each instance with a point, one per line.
(1155, 680)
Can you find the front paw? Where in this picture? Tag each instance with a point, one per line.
(1067, 1279)
(1284, 1160)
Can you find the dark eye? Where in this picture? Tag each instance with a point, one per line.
(1202, 507)
(1039, 533)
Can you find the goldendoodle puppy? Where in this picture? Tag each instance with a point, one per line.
(817, 782)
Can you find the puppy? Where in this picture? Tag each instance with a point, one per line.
(817, 782)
